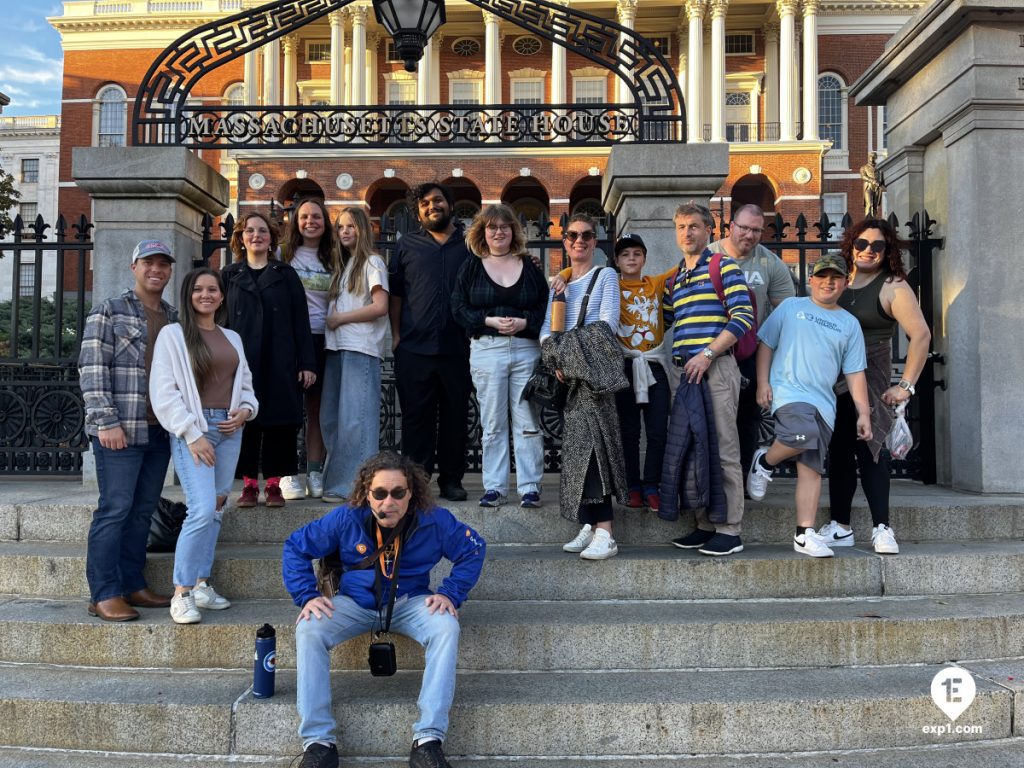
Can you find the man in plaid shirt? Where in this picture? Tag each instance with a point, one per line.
(130, 447)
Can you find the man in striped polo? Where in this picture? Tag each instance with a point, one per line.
(704, 330)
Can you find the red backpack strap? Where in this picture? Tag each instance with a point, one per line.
(715, 273)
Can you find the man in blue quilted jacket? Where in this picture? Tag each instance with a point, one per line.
(388, 536)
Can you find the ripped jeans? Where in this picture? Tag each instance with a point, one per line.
(501, 366)
(193, 556)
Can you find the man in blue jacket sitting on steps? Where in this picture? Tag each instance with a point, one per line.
(390, 526)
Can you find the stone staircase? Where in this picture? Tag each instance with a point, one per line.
(656, 658)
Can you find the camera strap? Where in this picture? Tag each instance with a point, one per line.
(388, 569)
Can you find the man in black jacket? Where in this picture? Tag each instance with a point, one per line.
(431, 349)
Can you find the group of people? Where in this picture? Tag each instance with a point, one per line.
(221, 383)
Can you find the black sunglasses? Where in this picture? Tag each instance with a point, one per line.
(395, 493)
(586, 237)
(876, 246)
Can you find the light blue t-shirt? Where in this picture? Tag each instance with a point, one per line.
(812, 347)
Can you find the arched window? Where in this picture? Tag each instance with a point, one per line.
(833, 120)
(111, 117)
(235, 95)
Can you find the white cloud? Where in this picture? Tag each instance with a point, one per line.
(37, 77)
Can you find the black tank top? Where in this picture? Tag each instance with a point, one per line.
(866, 305)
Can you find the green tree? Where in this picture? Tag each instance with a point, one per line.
(9, 197)
(46, 331)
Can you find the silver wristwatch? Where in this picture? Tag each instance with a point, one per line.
(904, 384)
(708, 353)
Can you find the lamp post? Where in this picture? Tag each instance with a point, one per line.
(411, 23)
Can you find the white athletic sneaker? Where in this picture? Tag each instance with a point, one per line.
(758, 477)
(835, 535)
(207, 597)
(883, 540)
(315, 484)
(601, 547)
(183, 609)
(810, 543)
(293, 488)
(581, 541)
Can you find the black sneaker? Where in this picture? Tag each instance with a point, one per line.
(428, 755)
(453, 491)
(722, 544)
(694, 539)
(319, 755)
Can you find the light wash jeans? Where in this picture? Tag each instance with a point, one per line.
(193, 556)
(501, 366)
(349, 416)
(437, 633)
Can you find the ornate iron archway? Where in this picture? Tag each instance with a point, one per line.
(163, 116)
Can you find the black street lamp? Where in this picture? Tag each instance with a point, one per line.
(411, 23)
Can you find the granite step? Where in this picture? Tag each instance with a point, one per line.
(548, 636)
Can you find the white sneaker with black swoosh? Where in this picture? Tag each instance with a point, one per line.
(835, 535)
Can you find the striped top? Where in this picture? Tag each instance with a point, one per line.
(696, 316)
(604, 301)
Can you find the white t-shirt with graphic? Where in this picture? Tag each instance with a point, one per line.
(367, 338)
(316, 279)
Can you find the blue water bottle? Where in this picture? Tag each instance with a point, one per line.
(265, 663)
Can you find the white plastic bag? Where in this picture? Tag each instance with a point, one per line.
(899, 441)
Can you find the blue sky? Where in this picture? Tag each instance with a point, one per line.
(31, 61)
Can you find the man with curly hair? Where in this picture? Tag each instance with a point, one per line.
(390, 525)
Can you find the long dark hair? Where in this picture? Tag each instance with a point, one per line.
(327, 249)
(420, 499)
(237, 246)
(198, 353)
(894, 247)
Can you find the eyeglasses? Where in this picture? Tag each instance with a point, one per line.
(395, 493)
(573, 236)
(876, 246)
(499, 227)
(744, 228)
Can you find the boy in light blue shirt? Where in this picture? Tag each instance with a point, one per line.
(805, 344)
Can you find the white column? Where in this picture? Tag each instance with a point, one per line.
(372, 43)
(358, 94)
(289, 98)
(797, 126)
(694, 75)
(424, 72)
(492, 59)
(811, 69)
(718, 10)
(337, 57)
(626, 10)
(252, 78)
(705, 96)
(349, 70)
(272, 73)
(771, 75)
(558, 70)
(787, 43)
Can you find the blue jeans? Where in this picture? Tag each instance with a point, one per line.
(349, 416)
(130, 482)
(501, 366)
(193, 556)
(437, 633)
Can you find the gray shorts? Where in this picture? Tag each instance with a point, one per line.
(799, 425)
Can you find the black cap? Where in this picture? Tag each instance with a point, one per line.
(630, 240)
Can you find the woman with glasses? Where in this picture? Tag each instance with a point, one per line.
(267, 308)
(499, 298)
(880, 298)
(588, 358)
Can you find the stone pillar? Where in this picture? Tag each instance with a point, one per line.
(718, 11)
(290, 98)
(272, 73)
(372, 43)
(695, 84)
(956, 148)
(810, 112)
(643, 185)
(251, 76)
(350, 70)
(626, 14)
(492, 59)
(423, 72)
(358, 94)
(337, 19)
(559, 72)
(771, 74)
(787, 43)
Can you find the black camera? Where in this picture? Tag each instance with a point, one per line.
(382, 659)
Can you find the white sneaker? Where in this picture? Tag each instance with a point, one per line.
(758, 477)
(883, 540)
(207, 597)
(293, 488)
(183, 609)
(810, 543)
(835, 535)
(581, 541)
(315, 484)
(601, 547)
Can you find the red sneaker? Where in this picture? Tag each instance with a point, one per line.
(653, 502)
(273, 496)
(635, 500)
(250, 497)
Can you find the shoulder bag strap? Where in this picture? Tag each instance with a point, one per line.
(586, 296)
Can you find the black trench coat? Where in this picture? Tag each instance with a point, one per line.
(276, 350)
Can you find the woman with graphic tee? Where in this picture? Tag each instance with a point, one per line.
(356, 324)
(201, 391)
(311, 248)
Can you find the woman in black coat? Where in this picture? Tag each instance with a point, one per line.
(267, 308)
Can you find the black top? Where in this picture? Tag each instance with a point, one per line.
(422, 274)
(477, 297)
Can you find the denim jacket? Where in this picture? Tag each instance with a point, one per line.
(112, 366)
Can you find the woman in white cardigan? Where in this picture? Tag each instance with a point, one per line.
(201, 391)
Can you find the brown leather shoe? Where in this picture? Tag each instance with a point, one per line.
(113, 609)
(147, 598)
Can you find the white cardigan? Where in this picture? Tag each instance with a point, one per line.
(173, 392)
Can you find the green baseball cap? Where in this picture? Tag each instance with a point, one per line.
(832, 261)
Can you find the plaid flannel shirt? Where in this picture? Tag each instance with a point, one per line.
(112, 366)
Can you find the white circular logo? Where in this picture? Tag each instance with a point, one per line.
(344, 181)
(801, 175)
(270, 661)
(257, 181)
